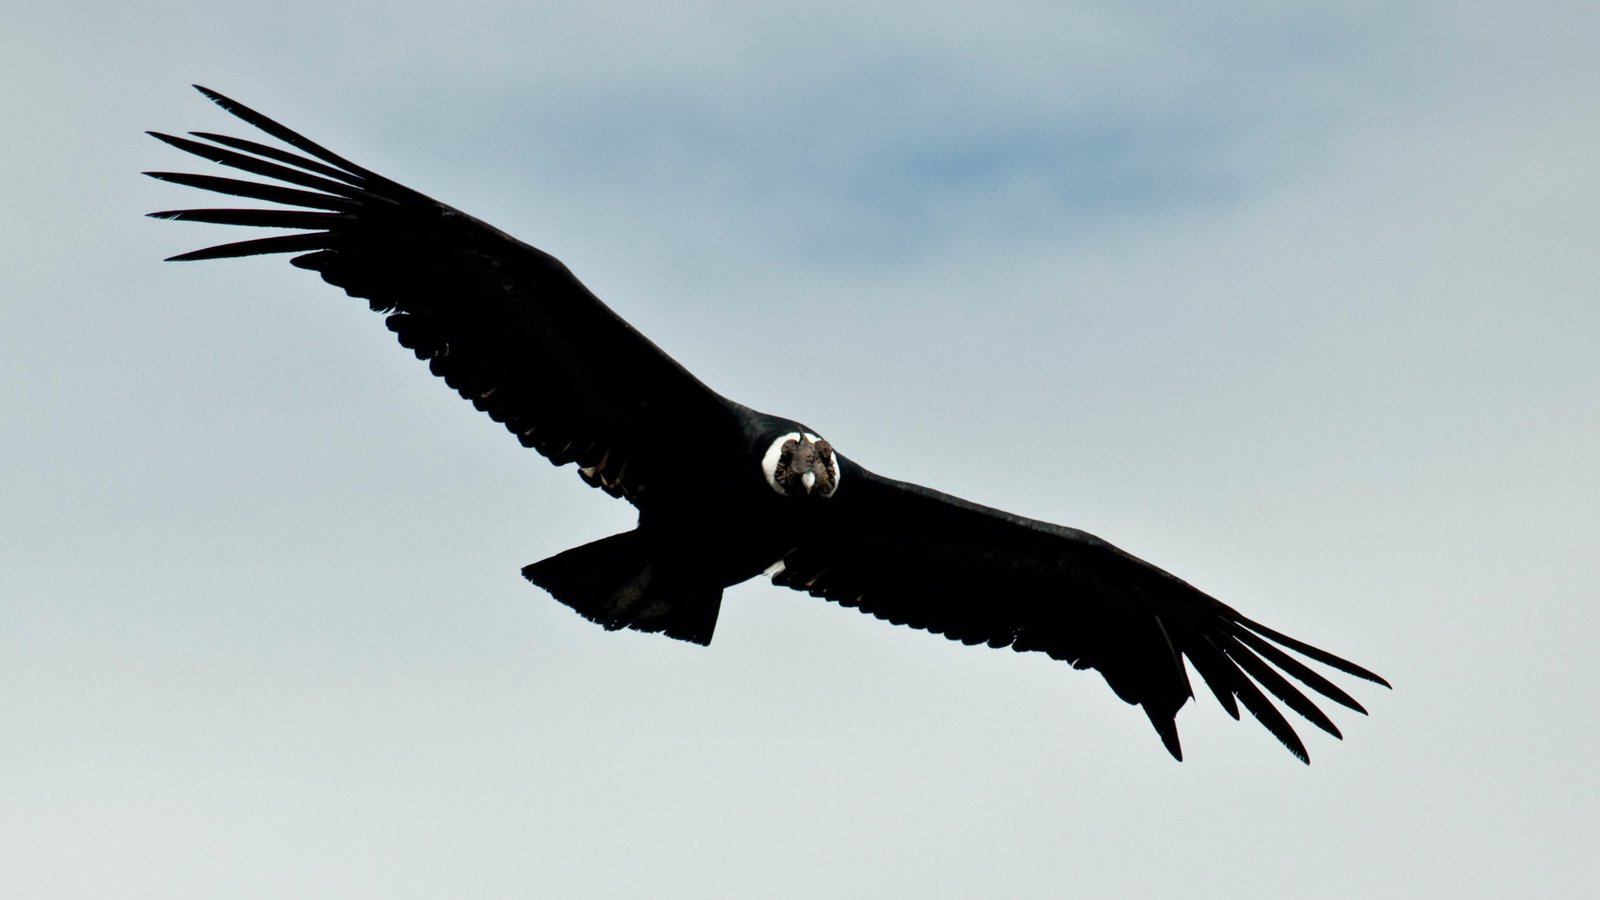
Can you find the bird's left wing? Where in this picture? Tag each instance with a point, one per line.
(505, 324)
(914, 556)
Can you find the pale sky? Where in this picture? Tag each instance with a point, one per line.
(1295, 300)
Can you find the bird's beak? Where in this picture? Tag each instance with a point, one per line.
(809, 479)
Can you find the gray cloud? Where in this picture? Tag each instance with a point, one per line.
(1296, 302)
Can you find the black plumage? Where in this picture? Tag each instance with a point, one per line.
(725, 493)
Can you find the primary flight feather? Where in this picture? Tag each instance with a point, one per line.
(724, 492)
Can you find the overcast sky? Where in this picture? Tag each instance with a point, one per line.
(1296, 300)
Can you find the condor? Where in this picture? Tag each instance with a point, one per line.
(725, 493)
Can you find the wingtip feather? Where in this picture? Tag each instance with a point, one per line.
(214, 96)
(1167, 728)
(1318, 654)
(289, 243)
(287, 135)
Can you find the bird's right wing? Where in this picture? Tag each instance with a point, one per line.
(505, 324)
(918, 557)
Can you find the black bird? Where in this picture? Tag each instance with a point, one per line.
(725, 493)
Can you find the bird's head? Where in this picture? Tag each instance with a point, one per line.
(800, 464)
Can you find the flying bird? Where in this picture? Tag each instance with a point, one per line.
(725, 493)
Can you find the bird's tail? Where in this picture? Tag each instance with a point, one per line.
(616, 583)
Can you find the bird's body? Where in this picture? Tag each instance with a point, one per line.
(725, 493)
(718, 525)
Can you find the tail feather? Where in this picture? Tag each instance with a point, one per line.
(615, 583)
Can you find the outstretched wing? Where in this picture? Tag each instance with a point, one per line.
(917, 557)
(505, 324)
